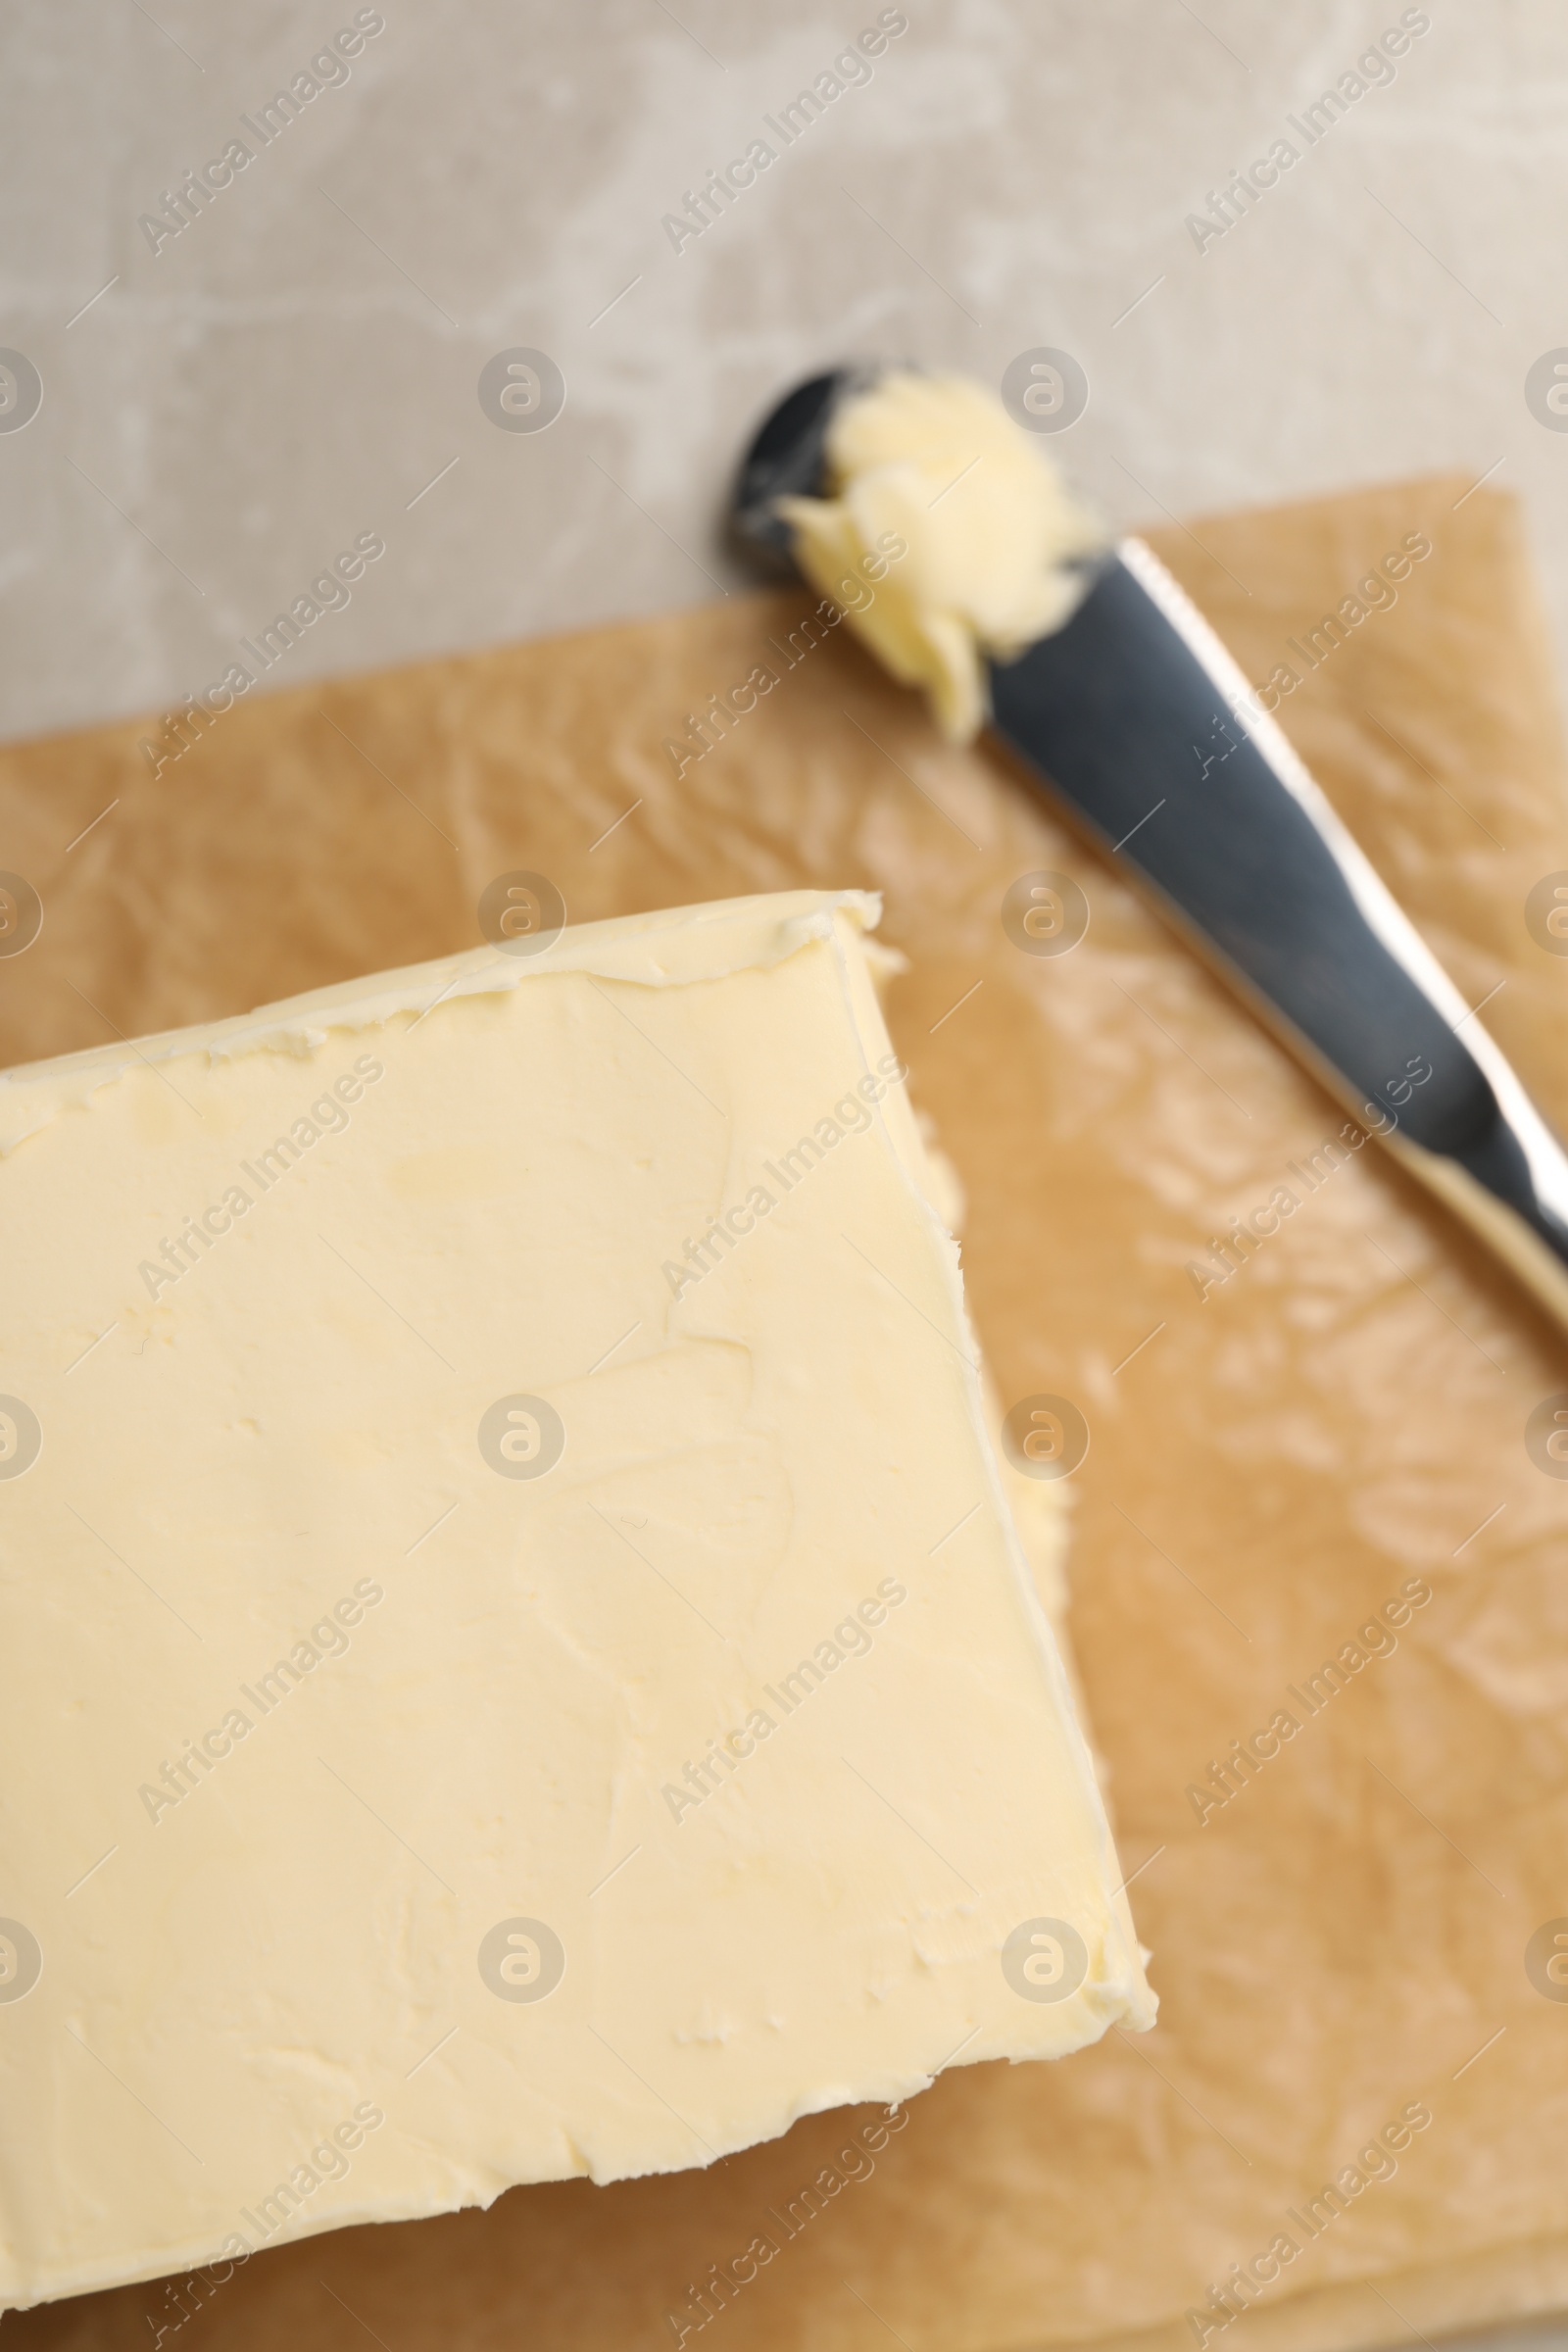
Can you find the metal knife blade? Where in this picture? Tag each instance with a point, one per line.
(1141, 727)
(1140, 721)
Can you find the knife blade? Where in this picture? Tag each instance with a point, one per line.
(1142, 724)
(1138, 724)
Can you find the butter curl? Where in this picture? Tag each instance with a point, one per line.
(987, 522)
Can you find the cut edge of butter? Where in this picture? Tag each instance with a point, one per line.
(710, 941)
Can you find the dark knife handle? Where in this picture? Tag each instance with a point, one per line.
(1140, 721)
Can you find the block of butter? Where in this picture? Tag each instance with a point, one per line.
(517, 1660)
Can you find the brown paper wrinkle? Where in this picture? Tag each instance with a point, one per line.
(1263, 1474)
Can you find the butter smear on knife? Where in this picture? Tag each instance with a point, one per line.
(989, 525)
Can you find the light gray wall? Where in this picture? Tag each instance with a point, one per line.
(299, 362)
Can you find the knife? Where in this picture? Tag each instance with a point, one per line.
(1144, 731)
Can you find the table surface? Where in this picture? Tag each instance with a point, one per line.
(300, 362)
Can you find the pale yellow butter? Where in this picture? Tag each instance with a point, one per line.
(518, 1663)
(934, 465)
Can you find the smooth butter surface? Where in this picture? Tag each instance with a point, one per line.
(397, 1518)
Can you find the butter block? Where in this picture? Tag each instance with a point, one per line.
(518, 1663)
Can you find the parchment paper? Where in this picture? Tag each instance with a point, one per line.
(1268, 1465)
